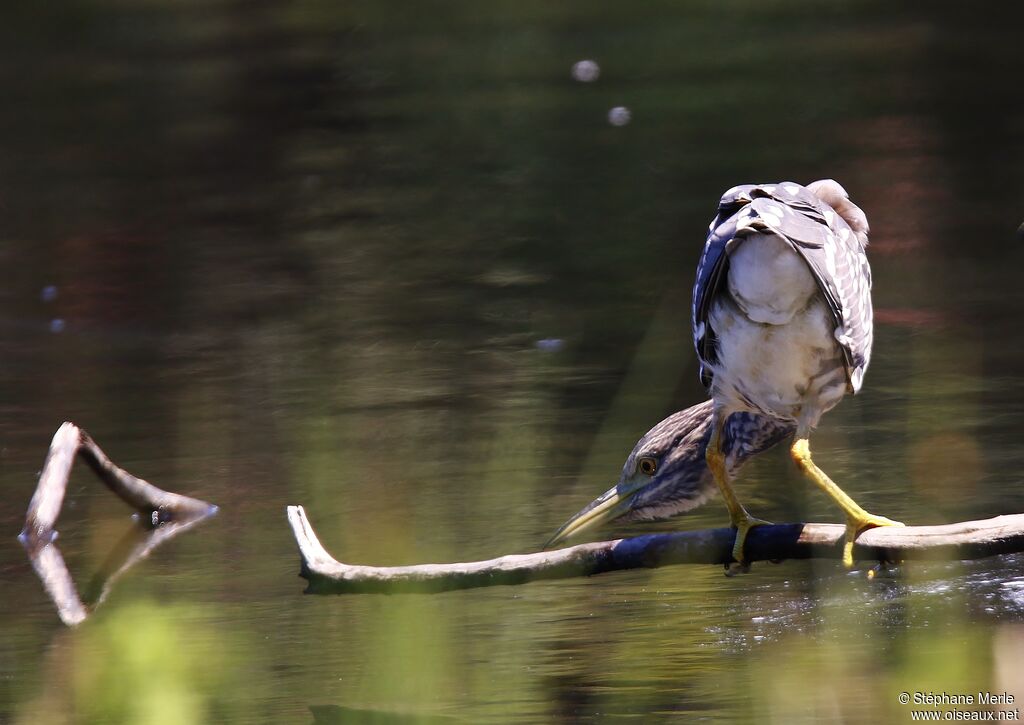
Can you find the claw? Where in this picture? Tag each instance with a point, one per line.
(743, 527)
(737, 567)
(855, 526)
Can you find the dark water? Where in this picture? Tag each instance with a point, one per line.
(392, 263)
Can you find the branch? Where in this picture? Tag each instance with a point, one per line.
(965, 540)
(163, 515)
(144, 497)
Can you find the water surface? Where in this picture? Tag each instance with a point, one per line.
(393, 263)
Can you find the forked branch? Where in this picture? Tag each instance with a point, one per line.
(162, 516)
(144, 497)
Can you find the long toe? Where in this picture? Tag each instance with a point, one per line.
(743, 527)
(855, 526)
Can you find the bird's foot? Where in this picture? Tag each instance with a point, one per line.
(743, 524)
(855, 526)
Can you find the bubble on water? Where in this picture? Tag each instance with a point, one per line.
(49, 293)
(586, 71)
(56, 325)
(619, 116)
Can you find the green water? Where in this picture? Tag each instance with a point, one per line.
(317, 253)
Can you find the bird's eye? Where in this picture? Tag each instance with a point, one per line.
(647, 466)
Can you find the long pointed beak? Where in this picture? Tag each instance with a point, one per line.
(612, 504)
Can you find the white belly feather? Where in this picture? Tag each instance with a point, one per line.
(777, 352)
(769, 281)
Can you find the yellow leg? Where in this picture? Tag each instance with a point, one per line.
(742, 521)
(857, 519)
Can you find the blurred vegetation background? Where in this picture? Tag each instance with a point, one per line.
(391, 261)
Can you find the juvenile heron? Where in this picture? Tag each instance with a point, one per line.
(782, 324)
(667, 474)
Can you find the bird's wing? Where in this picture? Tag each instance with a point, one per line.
(711, 271)
(833, 252)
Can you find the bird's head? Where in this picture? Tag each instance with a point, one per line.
(665, 474)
